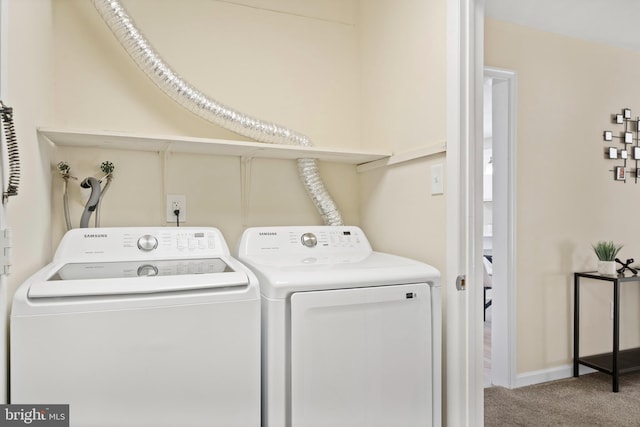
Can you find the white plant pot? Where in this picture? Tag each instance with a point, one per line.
(607, 267)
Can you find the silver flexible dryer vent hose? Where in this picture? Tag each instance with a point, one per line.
(123, 27)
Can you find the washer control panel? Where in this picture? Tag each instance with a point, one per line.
(134, 243)
(304, 240)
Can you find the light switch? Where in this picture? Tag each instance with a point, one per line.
(437, 179)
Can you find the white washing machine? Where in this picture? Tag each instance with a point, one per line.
(140, 327)
(351, 337)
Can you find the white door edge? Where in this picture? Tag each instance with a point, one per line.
(464, 330)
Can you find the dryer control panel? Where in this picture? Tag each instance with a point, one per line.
(304, 240)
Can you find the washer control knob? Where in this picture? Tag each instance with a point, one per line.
(147, 243)
(309, 240)
(147, 270)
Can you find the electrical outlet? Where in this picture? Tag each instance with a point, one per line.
(176, 202)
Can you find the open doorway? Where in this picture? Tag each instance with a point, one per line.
(499, 227)
(487, 226)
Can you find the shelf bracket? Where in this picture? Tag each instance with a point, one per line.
(403, 157)
(245, 188)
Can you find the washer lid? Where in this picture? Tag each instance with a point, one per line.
(135, 277)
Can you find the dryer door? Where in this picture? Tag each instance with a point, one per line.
(362, 357)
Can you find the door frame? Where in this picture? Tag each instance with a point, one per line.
(503, 325)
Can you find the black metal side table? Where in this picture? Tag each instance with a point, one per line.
(617, 362)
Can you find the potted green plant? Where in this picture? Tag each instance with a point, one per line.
(606, 253)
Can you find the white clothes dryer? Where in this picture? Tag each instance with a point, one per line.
(351, 337)
(140, 327)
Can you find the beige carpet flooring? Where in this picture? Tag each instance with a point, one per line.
(580, 402)
(583, 401)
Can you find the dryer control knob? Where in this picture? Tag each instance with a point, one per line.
(309, 240)
(147, 243)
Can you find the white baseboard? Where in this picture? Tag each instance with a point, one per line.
(552, 374)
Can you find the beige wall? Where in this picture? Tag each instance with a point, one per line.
(348, 74)
(293, 63)
(28, 83)
(403, 49)
(566, 196)
(403, 108)
(294, 69)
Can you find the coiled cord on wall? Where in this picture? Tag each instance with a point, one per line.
(6, 114)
